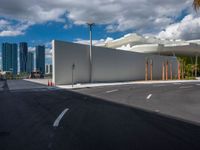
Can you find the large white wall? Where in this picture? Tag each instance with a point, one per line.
(116, 65)
(64, 56)
(108, 65)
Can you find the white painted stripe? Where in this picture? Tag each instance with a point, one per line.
(176, 83)
(112, 91)
(198, 84)
(57, 121)
(185, 87)
(149, 96)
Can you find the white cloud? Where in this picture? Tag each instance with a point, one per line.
(48, 53)
(119, 15)
(10, 33)
(67, 26)
(9, 29)
(31, 49)
(142, 16)
(100, 42)
(3, 23)
(187, 29)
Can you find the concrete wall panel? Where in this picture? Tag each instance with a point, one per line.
(114, 65)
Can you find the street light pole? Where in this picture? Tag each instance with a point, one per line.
(90, 53)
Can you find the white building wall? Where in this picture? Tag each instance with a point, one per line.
(109, 65)
(115, 65)
(64, 56)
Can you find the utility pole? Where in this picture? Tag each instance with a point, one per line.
(90, 53)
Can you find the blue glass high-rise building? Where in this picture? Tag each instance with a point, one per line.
(23, 52)
(30, 62)
(9, 57)
(40, 59)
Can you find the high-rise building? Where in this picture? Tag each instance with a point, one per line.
(23, 52)
(40, 59)
(9, 57)
(30, 62)
(48, 69)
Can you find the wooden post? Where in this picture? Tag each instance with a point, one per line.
(146, 70)
(163, 71)
(167, 70)
(171, 75)
(179, 71)
(182, 70)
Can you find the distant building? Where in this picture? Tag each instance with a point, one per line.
(30, 62)
(9, 57)
(48, 69)
(40, 59)
(23, 52)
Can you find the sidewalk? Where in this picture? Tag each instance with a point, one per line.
(90, 85)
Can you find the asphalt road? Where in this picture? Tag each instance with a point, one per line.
(68, 120)
(179, 100)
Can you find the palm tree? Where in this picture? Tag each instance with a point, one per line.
(196, 4)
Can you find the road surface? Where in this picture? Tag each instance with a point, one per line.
(101, 118)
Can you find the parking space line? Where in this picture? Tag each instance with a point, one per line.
(149, 96)
(177, 83)
(112, 91)
(57, 121)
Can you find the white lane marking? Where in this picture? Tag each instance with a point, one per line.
(157, 110)
(177, 83)
(112, 91)
(198, 84)
(57, 121)
(149, 96)
(185, 87)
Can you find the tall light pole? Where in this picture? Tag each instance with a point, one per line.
(90, 54)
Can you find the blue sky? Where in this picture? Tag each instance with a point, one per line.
(43, 33)
(41, 21)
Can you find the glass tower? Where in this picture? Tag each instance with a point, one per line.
(23, 51)
(40, 59)
(30, 62)
(9, 57)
